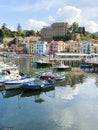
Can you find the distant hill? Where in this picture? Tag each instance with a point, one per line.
(96, 32)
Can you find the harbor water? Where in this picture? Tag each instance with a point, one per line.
(71, 105)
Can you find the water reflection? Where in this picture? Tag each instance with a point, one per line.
(67, 93)
(36, 94)
(11, 93)
(71, 105)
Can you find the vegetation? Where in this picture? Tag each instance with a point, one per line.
(74, 29)
(6, 32)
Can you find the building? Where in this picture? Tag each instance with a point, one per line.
(42, 47)
(46, 33)
(87, 47)
(74, 46)
(55, 30)
(57, 46)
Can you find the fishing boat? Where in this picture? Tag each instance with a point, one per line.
(16, 83)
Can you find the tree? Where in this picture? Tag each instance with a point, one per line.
(83, 30)
(75, 27)
(19, 30)
(80, 30)
(1, 34)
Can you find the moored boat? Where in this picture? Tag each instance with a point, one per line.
(38, 84)
(43, 64)
(85, 66)
(62, 67)
(16, 83)
(50, 75)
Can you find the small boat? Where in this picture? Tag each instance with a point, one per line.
(43, 64)
(16, 83)
(50, 75)
(9, 75)
(62, 67)
(59, 77)
(38, 84)
(85, 66)
(39, 73)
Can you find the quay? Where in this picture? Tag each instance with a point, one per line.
(93, 60)
(71, 59)
(74, 59)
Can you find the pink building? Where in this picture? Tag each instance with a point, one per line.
(57, 46)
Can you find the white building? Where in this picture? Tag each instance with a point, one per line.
(87, 47)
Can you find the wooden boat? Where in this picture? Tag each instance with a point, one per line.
(16, 83)
(38, 84)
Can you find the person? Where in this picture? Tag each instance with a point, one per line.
(21, 74)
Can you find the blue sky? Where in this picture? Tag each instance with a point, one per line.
(34, 14)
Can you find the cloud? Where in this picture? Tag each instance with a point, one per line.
(51, 19)
(69, 14)
(36, 25)
(91, 26)
(72, 14)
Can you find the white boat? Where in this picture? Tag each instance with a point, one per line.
(8, 74)
(59, 77)
(62, 67)
(16, 83)
(50, 75)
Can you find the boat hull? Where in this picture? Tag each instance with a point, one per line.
(39, 85)
(12, 86)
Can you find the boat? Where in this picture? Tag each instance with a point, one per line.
(85, 66)
(16, 83)
(43, 64)
(9, 74)
(38, 84)
(62, 67)
(49, 75)
(59, 77)
(39, 73)
(7, 65)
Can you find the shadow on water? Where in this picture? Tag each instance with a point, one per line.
(11, 93)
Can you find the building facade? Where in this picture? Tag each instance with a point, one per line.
(87, 47)
(55, 30)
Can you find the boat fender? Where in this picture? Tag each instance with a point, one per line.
(42, 85)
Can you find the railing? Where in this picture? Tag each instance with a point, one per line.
(66, 59)
(92, 60)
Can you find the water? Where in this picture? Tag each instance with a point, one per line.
(72, 105)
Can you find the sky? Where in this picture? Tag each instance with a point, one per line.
(35, 14)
